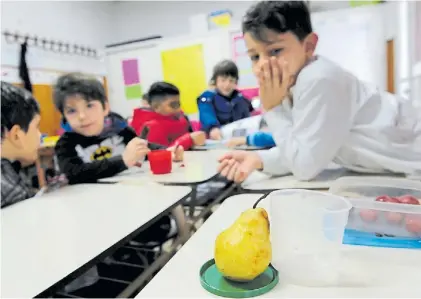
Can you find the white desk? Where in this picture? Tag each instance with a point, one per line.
(180, 277)
(240, 148)
(46, 238)
(261, 181)
(222, 146)
(198, 167)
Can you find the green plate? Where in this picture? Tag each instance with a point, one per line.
(213, 281)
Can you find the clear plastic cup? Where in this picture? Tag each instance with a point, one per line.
(307, 229)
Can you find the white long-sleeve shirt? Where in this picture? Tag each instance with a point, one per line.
(336, 117)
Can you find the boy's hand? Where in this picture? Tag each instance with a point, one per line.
(199, 138)
(275, 80)
(236, 141)
(215, 134)
(238, 165)
(177, 153)
(135, 150)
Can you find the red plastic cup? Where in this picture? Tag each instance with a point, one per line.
(160, 161)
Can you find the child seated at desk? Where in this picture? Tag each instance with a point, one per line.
(225, 104)
(318, 112)
(251, 136)
(167, 124)
(92, 150)
(20, 141)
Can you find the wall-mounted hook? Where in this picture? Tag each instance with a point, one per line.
(35, 39)
(8, 37)
(44, 44)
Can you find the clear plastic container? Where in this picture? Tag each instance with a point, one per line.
(307, 229)
(398, 224)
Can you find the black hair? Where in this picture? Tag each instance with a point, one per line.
(278, 16)
(145, 97)
(18, 107)
(77, 84)
(225, 68)
(160, 90)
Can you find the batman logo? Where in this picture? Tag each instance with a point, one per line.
(101, 153)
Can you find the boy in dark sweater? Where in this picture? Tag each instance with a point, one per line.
(20, 140)
(96, 147)
(93, 149)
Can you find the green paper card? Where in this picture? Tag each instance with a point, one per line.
(355, 3)
(133, 92)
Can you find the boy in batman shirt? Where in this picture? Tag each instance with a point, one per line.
(93, 149)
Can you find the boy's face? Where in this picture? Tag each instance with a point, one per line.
(284, 46)
(85, 117)
(171, 105)
(26, 143)
(226, 85)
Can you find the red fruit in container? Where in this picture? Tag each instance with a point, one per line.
(408, 199)
(387, 198)
(413, 224)
(368, 215)
(392, 217)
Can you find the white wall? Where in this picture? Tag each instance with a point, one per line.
(96, 23)
(84, 23)
(137, 19)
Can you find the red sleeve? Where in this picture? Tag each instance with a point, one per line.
(136, 123)
(156, 134)
(185, 141)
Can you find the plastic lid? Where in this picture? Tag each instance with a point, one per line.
(213, 281)
(355, 237)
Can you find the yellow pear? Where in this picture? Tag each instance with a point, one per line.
(243, 251)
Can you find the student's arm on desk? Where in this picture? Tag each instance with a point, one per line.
(322, 120)
(78, 172)
(207, 114)
(263, 139)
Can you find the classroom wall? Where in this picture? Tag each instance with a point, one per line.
(82, 22)
(136, 19)
(216, 46)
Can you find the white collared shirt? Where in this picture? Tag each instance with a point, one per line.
(336, 117)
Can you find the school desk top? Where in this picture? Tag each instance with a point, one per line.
(260, 181)
(200, 248)
(221, 144)
(46, 238)
(198, 167)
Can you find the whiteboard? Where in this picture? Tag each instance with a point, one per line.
(356, 40)
(216, 47)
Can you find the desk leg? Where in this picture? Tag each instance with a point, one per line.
(180, 220)
(147, 274)
(193, 201)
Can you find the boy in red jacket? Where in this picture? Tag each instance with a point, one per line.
(166, 122)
